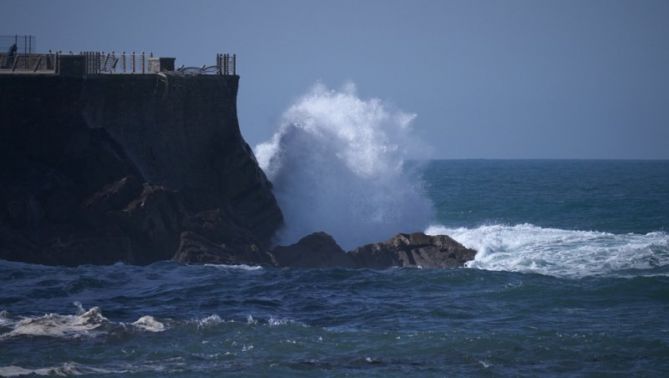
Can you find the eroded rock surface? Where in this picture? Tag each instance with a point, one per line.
(128, 168)
(413, 250)
(320, 250)
(317, 250)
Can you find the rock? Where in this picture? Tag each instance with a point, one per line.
(155, 218)
(16, 246)
(413, 250)
(95, 249)
(219, 225)
(119, 168)
(115, 196)
(196, 249)
(317, 250)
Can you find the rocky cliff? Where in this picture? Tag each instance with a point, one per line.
(133, 168)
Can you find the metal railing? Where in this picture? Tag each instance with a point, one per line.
(99, 62)
(15, 50)
(25, 44)
(28, 62)
(226, 64)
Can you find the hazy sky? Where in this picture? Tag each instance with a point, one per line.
(488, 79)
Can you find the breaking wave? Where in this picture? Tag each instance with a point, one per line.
(337, 163)
(92, 323)
(86, 323)
(65, 369)
(562, 253)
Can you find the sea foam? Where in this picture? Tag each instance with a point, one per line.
(562, 253)
(56, 325)
(337, 163)
(65, 369)
(86, 323)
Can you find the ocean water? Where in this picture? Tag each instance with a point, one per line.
(571, 278)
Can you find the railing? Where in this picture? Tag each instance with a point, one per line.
(28, 62)
(14, 50)
(226, 64)
(24, 44)
(95, 62)
(110, 63)
(98, 62)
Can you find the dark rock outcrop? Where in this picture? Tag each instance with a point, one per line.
(317, 250)
(112, 168)
(194, 248)
(413, 250)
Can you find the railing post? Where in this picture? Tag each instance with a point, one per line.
(143, 65)
(234, 64)
(133, 62)
(106, 61)
(25, 52)
(123, 61)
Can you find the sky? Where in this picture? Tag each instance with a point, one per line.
(513, 79)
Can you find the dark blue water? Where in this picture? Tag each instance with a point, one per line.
(572, 278)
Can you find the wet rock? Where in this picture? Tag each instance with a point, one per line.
(71, 250)
(196, 249)
(413, 250)
(118, 169)
(317, 250)
(154, 220)
(115, 196)
(219, 225)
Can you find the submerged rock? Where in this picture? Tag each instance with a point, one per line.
(413, 250)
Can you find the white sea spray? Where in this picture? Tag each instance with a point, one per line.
(338, 164)
(558, 252)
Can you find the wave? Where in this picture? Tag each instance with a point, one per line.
(562, 253)
(337, 164)
(65, 369)
(92, 323)
(86, 323)
(235, 267)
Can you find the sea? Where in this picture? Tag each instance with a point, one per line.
(571, 278)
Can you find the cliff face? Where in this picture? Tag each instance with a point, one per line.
(127, 168)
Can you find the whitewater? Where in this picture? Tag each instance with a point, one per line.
(562, 253)
(338, 164)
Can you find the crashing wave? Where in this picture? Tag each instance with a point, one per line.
(65, 369)
(337, 164)
(87, 323)
(56, 325)
(149, 323)
(561, 253)
(233, 267)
